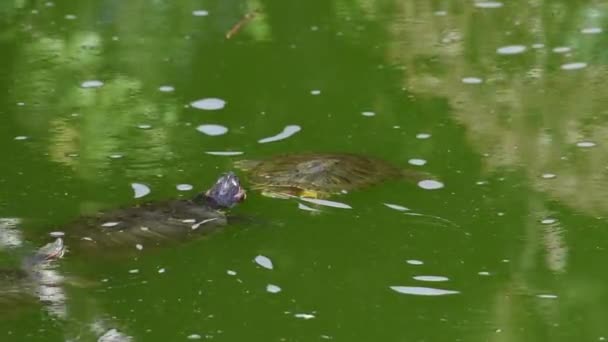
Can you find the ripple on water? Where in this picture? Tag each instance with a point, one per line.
(396, 207)
(287, 132)
(429, 184)
(422, 291)
(488, 4)
(431, 278)
(210, 103)
(472, 80)
(511, 50)
(91, 84)
(212, 130)
(326, 203)
(573, 66)
(139, 190)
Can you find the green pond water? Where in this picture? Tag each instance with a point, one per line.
(503, 103)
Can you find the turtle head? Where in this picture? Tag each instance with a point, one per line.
(226, 192)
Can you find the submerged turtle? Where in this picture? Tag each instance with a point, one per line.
(33, 278)
(155, 223)
(318, 175)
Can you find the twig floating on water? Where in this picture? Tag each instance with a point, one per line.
(238, 26)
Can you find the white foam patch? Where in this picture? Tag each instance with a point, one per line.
(431, 278)
(511, 50)
(264, 262)
(139, 190)
(429, 184)
(212, 130)
(91, 84)
(422, 291)
(573, 66)
(326, 203)
(396, 207)
(208, 104)
(273, 288)
(287, 132)
(224, 153)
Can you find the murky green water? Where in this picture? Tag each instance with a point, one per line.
(504, 103)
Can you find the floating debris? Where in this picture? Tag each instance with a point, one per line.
(287, 132)
(304, 316)
(144, 126)
(212, 130)
(472, 80)
(573, 66)
(70, 17)
(231, 272)
(431, 278)
(548, 175)
(414, 262)
(585, 144)
(166, 88)
(547, 296)
(194, 337)
(396, 207)
(264, 262)
(307, 208)
(140, 190)
(21, 137)
(483, 273)
(326, 203)
(162, 270)
(422, 291)
(115, 156)
(110, 224)
(200, 13)
(239, 25)
(368, 113)
(488, 4)
(139, 246)
(134, 271)
(209, 104)
(315, 92)
(423, 135)
(562, 49)
(548, 221)
(591, 30)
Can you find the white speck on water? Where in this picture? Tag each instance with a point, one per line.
(431, 278)
(194, 337)
(483, 273)
(396, 207)
(368, 113)
(585, 144)
(20, 104)
(209, 104)
(139, 246)
(547, 296)
(162, 270)
(548, 175)
(315, 92)
(91, 84)
(264, 262)
(56, 234)
(561, 49)
(414, 262)
(307, 208)
(184, 187)
(224, 153)
(488, 4)
(272, 288)
(591, 30)
(70, 16)
(144, 126)
(327, 203)
(212, 130)
(110, 224)
(511, 50)
(440, 13)
(21, 137)
(416, 162)
(538, 45)
(304, 316)
(548, 220)
(472, 80)
(423, 135)
(314, 28)
(287, 132)
(134, 271)
(422, 291)
(429, 184)
(231, 272)
(139, 190)
(200, 13)
(115, 156)
(166, 88)
(573, 66)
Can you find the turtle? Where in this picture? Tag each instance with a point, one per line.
(318, 175)
(33, 280)
(155, 223)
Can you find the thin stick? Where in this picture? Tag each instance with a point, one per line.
(237, 27)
